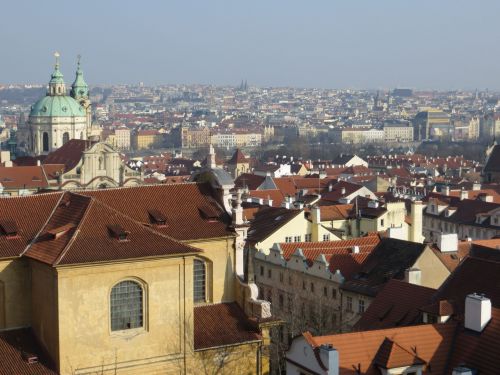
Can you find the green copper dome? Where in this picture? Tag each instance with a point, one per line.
(79, 88)
(57, 106)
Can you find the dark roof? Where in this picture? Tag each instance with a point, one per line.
(269, 220)
(222, 324)
(16, 347)
(342, 159)
(396, 304)
(252, 181)
(68, 154)
(238, 157)
(388, 261)
(493, 163)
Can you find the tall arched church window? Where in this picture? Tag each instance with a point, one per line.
(199, 280)
(65, 137)
(127, 306)
(45, 142)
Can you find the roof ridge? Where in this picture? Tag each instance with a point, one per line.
(35, 237)
(73, 235)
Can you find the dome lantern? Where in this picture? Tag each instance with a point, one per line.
(56, 83)
(79, 88)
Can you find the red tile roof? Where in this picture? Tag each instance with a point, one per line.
(23, 177)
(392, 355)
(16, 346)
(222, 324)
(81, 227)
(68, 154)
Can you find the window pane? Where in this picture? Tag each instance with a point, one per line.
(199, 281)
(126, 306)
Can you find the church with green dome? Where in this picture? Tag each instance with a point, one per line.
(57, 117)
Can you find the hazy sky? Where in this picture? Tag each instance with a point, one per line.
(442, 44)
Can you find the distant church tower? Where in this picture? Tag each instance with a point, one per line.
(57, 117)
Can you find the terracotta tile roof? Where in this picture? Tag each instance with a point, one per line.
(252, 181)
(276, 196)
(16, 346)
(336, 212)
(81, 227)
(392, 355)
(23, 177)
(238, 157)
(336, 192)
(222, 324)
(360, 350)
(180, 203)
(338, 254)
(68, 154)
(29, 213)
(396, 304)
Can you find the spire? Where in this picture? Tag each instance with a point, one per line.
(79, 88)
(56, 83)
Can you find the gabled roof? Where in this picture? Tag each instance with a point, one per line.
(238, 157)
(29, 177)
(392, 355)
(252, 181)
(493, 163)
(68, 154)
(389, 260)
(29, 213)
(83, 230)
(269, 220)
(222, 324)
(396, 304)
(430, 343)
(180, 203)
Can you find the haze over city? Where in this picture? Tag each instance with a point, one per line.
(427, 44)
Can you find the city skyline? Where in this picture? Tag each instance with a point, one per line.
(359, 45)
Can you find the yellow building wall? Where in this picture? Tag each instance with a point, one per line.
(15, 294)
(434, 273)
(221, 268)
(44, 302)
(87, 343)
(238, 360)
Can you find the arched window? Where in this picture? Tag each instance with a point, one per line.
(127, 306)
(45, 141)
(199, 281)
(65, 137)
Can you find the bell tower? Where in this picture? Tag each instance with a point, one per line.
(80, 92)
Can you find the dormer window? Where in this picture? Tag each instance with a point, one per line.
(57, 232)
(157, 218)
(209, 213)
(8, 228)
(117, 231)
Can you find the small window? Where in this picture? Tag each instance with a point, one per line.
(281, 277)
(334, 293)
(348, 303)
(308, 238)
(325, 291)
(288, 239)
(326, 237)
(65, 137)
(269, 273)
(45, 142)
(382, 222)
(361, 306)
(297, 238)
(281, 301)
(126, 306)
(312, 287)
(303, 285)
(261, 270)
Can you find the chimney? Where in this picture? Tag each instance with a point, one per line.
(355, 249)
(476, 186)
(486, 197)
(330, 187)
(464, 194)
(330, 358)
(445, 190)
(238, 210)
(447, 242)
(373, 204)
(316, 223)
(342, 191)
(416, 222)
(477, 312)
(413, 276)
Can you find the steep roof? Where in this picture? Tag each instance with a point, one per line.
(29, 177)
(238, 157)
(222, 324)
(182, 205)
(389, 260)
(82, 227)
(269, 220)
(29, 214)
(493, 163)
(393, 355)
(396, 304)
(68, 154)
(15, 348)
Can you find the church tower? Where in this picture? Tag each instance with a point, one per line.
(57, 117)
(80, 92)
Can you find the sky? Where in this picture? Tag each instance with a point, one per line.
(359, 44)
